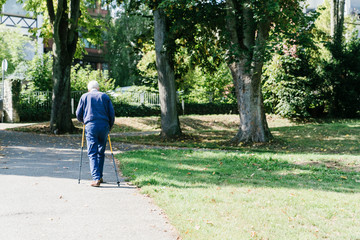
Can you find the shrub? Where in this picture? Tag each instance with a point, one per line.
(291, 86)
(40, 72)
(80, 77)
(208, 108)
(342, 76)
(34, 107)
(132, 110)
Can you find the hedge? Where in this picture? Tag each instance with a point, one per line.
(31, 112)
(208, 108)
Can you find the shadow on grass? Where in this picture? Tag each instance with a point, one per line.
(334, 138)
(193, 169)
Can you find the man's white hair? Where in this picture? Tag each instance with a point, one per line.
(93, 85)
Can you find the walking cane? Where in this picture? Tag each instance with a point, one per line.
(118, 182)
(82, 147)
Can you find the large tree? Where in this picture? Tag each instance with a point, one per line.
(128, 31)
(337, 20)
(242, 32)
(63, 22)
(164, 49)
(176, 25)
(170, 124)
(248, 24)
(248, 37)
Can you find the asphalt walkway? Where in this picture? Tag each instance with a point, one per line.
(41, 198)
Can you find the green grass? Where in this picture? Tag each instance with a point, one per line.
(303, 185)
(338, 137)
(226, 195)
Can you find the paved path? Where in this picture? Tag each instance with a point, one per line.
(41, 198)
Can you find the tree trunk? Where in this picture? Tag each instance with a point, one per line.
(253, 125)
(337, 25)
(65, 35)
(170, 124)
(248, 39)
(61, 106)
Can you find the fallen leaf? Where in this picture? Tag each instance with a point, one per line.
(209, 222)
(344, 177)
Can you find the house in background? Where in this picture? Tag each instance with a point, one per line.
(95, 56)
(14, 16)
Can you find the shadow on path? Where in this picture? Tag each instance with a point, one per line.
(41, 197)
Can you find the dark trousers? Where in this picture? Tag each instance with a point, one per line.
(96, 137)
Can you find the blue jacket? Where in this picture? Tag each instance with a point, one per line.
(95, 107)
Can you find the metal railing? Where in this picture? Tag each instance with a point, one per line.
(146, 98)
(43, 99)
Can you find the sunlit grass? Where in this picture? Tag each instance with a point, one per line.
(243, 195)
(305, 184)
(341, 137)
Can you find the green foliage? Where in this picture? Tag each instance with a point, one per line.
(34, 107)
(126, 36)
(14, 46)
(89, 27)
(203, 87)
(209, 108)
(147, 66)
(39, 72)
(80, 77)
(132, 110)
(291, 83)
(290, 87)
(342, 77)
(32, 113)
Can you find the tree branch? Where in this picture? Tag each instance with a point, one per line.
(74, 22)
(249, 28)
(233, 31)
(50, 7)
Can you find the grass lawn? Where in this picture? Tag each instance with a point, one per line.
(303, 185)
(214, 132)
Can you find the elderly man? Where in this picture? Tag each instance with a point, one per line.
(96, 111)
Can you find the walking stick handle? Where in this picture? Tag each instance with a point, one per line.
(110, 143)
(82, 139)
